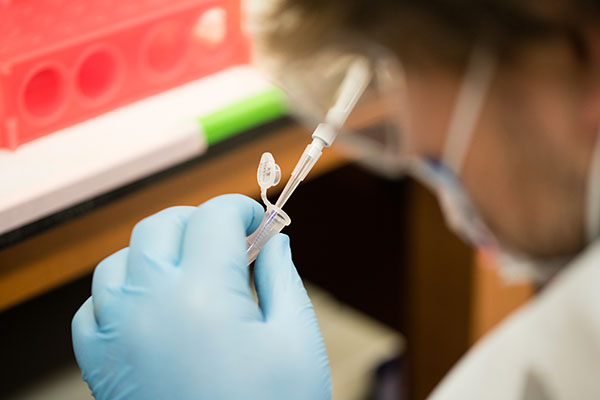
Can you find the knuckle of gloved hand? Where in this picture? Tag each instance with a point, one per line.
(215, 213)
(228, 203)
(174, 212)
(160, 219)
(107, 283)
(80, 328)
(229, 197)
(144, 226)
(106, 302)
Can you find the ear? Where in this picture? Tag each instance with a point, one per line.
(591, 105)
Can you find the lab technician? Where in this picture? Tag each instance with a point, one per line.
(500, 112)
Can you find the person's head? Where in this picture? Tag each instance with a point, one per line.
(528, 163)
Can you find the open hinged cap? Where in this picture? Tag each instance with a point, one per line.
(267, 175)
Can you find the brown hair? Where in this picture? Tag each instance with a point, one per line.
(439, 31)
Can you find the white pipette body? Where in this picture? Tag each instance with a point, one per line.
(355, 82)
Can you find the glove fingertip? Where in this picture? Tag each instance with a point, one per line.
(216, 233)
(83, 327)
(84, 320)
(250, 210)
(277, 249)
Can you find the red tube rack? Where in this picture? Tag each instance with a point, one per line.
(65, 61)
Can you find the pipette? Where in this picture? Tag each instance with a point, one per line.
(354, 84)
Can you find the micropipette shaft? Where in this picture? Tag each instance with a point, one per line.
(354, 84)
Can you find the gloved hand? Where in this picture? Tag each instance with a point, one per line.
(172, 316)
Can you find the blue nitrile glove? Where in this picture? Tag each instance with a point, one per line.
(172, 316)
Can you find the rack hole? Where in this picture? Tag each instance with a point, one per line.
(97, 74)
(44, 92)
(166, 47)
(211, 26)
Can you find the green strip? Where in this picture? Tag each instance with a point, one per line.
(246, 114)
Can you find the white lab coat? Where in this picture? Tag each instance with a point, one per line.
(547, 350)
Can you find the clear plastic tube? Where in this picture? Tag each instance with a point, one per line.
(273, 222)
(307, 161)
